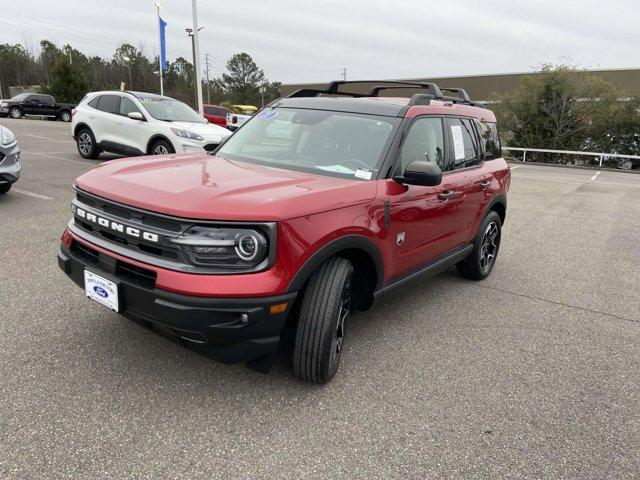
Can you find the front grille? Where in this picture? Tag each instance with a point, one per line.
(141, 277)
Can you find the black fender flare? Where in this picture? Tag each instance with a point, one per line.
(501, 198)
(347, 242)
(78, 127)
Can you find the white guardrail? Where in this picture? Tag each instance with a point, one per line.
(601, 156)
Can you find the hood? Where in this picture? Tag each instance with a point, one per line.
(212, 188)
(207, 130)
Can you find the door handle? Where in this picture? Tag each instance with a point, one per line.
(486, 184)
(119, 123)
(92, 116)
(446, 195)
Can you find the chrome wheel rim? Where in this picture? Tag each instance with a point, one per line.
(65, 117)
(343, 313)
(160, 150)
(15, 113)
(489, 247)
(84, 143)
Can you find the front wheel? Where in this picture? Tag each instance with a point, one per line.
(161, 147)
(326, 306)
(15, 112)
(478, 265)
(4, 188)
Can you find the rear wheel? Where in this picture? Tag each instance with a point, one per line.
(478, 265)
(15, 112)
(4, 188)
(86, 143)
(161, 147)
(326, 306)
(65, 116)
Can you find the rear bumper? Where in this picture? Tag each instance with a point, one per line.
(211, 326)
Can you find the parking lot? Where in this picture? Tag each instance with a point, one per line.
(534, 372)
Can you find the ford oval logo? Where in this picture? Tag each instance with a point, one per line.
(101, 291)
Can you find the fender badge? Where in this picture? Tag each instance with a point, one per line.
(400, 239)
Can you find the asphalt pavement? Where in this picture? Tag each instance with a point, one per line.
(532, 373)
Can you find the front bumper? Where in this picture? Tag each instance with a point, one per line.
(213, 327)
(10, 164)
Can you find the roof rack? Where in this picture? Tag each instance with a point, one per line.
(434, 92)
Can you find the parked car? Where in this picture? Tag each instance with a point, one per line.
(216, 114)
(314, 209)
(9, 159)
(38, 105)
(137, 123)
(239, 116)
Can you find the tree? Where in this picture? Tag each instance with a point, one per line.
(68, 84)
(242, 82)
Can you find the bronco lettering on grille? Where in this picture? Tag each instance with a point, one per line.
(115, 226)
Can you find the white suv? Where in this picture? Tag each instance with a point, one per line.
(136, 123)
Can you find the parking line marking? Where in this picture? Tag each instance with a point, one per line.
(37, 136)
(513, 168)
(31, 194)
(595, 176)
(82, 162)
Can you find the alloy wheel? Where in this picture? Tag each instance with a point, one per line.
(15, 113)
(160, 150)
(343, 313)
(84, 143)
(489, 247)
(65, 117)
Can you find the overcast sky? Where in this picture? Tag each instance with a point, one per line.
(312, 40)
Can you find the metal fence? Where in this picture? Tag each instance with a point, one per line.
(609, 160)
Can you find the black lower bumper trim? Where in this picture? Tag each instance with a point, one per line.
(230, 330)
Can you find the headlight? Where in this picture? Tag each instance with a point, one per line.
(4, 104)
(7, 136)
(234, 248)
(186, 134)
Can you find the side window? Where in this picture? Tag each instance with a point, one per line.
(424, 142)
(491, 140)
(464, 143)
(94, 102)
(108, 103)
(48, 99)
(127, 106)
(209, 110)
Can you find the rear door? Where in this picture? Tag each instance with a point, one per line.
(47, 105)
(468, 174)
(421, 218)
(30, 105)
(103, 118)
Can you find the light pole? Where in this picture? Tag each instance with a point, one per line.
(128, 60)
(196, 52)
(193, 52)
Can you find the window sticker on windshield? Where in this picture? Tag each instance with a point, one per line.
(364, 174)
(458, 142)
(268, 114)
(336, 169)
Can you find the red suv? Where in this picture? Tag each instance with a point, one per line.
(322, 203)
(216, 114)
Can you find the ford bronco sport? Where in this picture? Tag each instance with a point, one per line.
(322, 203)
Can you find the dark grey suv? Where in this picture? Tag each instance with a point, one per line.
(9, 159)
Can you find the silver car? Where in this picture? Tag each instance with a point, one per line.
(9, 159)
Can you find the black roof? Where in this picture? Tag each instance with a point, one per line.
(365, 105)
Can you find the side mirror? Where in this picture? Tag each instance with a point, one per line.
(426, 174)
(136, 116)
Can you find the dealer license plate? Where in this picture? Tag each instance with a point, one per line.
(103, 291)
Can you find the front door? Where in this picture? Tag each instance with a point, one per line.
(421, 218)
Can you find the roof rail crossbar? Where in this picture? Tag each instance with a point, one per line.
(420, 99)
(461, 94)
(313, 92)
(432, 88)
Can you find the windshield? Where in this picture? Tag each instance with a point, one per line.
(20, 97)
(170, 110)
(339, 144)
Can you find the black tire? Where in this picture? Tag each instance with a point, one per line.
(478, 265)
(4, 188)
(86, 144)
(65, 116)
(15, 112)
(161, 147)
(326, 305)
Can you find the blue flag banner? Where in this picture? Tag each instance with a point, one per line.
(163, 45)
